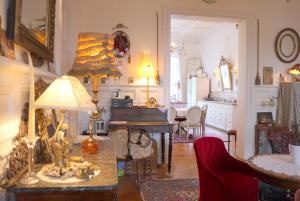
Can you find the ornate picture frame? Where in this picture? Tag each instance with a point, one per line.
(25, 38)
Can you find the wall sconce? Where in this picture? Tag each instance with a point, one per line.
(217, 73)
(234, 70)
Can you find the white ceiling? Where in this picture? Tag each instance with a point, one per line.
(194, 29)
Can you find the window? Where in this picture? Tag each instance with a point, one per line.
(175, 81)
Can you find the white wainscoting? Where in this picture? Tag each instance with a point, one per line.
(263, 94)
(14, 92)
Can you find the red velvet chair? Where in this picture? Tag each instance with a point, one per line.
(222, 177)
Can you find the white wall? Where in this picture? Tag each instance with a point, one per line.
(224, 44)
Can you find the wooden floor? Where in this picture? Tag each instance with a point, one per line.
(183, 166)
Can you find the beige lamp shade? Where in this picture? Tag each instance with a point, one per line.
(94, 56)
(66, 93)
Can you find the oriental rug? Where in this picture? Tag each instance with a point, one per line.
(170, 190)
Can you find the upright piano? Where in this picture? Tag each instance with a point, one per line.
(153, 120)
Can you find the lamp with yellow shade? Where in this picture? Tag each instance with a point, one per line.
(294, 71)
(95, 60)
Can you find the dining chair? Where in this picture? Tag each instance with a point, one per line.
(202, 119)
(133, 146)
(223, 177)
(193, 120)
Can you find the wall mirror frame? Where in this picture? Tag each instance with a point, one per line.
(287, 45)
(121, 41)
(25, 38)
(225, 72)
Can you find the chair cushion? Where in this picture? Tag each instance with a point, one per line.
(240, 187)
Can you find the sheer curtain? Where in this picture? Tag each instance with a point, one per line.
(175, 80)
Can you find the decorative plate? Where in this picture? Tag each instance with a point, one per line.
(287, 45)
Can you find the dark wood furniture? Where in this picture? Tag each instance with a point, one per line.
(278, 137)
(229, 134)
(102, 187)
(180, 128)
(153, 120)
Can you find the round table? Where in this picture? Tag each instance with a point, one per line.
(182, 112)
(277, 170)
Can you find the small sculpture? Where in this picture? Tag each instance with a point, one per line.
(61, 146)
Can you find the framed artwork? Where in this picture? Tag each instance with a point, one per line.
(264, 117)
(130, 80)
(267, 75)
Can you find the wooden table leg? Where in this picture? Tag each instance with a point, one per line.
(163, 142)
(170, 150)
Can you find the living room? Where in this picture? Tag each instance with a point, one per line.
(263, 63)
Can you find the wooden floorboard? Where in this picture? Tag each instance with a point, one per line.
(183, 166)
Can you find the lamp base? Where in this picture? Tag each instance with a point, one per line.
(30, 178)
(90, 146)
(151, 102)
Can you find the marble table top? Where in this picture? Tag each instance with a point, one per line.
(106, 180)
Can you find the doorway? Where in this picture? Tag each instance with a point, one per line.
(246, 55)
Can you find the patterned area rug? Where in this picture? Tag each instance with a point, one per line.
(170, 190)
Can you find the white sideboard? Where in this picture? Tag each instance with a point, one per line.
(219, 115)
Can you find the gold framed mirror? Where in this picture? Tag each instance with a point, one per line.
(225, 72)
(34, 26)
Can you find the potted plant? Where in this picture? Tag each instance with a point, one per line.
(294, 148)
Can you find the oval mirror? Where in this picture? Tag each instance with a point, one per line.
(121, 44)
(287, 45)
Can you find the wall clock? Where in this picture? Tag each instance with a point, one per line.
(210, 1)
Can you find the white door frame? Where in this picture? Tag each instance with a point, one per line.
(246, 64)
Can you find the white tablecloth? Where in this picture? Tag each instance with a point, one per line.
(278, 163)
(183, 112)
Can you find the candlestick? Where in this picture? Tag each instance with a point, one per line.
(31, 121)
(30, 177)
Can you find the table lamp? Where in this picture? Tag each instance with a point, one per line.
(294, 71)
(148, 71)
(65, 93)
(95, 60)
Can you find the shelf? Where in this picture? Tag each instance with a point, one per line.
(266, 86)
(19, 67)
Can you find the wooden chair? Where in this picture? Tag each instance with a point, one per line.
(202, 119)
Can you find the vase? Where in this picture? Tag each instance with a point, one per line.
(295, 153)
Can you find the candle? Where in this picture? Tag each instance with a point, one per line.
(31, 121)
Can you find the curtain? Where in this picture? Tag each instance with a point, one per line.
(288, 107)
(175, 80)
